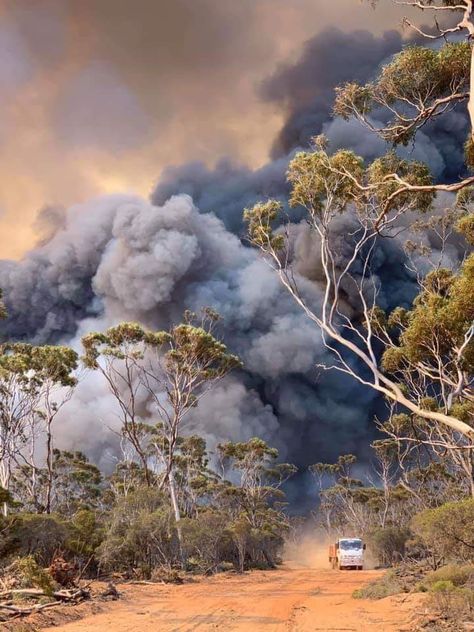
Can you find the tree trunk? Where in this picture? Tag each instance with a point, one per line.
(5, 482)
(176, 511)
(49, 464)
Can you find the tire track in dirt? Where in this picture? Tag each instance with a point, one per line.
(290, 599)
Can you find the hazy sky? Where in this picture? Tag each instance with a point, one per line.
(99, 95)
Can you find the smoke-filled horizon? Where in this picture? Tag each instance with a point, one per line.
(128, 257)
(99, 97)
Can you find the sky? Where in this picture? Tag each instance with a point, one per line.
(99, 96)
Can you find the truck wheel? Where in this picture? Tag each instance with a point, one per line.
(360, 568)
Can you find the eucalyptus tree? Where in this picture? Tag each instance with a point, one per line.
(54, 370)
(35, 383)
(331, 187)
(160, 374)
(419, 359)
(421, 83)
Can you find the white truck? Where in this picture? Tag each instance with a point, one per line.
(347, 553)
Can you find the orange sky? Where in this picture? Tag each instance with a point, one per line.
(99, 95)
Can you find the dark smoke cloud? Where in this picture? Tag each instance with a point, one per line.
(305, 89)
(122, 257)
(225, 190)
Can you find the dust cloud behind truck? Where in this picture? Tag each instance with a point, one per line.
(347, 553)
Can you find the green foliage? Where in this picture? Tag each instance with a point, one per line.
(380, 177)
(207, 540)
(466, 228)
(438, 322)
(386, 586)
(313, 174)
(327, 185)
(455, 574)
(39, 536)
(451, 601)
(180, 347)
(388, 544)
(32, 575)
(417, 79)
(140, 535)
(447, 530)
(261, 220)
(39, 363)
(86, 533)
(77, 483)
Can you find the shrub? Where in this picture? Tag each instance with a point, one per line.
(447, 530)
(41, 536)
(450, 601)
(458, 576)
(26, 573)
(207, 541)
(388, 544)
(380, 588)
(86, 533)
(141, 535)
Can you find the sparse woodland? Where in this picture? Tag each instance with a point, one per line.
(164, 506)
(170, 505)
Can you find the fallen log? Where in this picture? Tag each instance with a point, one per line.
(16, 611)
(60, 595)
(9, 609)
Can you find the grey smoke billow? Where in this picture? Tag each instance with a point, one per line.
(122, 257)
(305, 89)
(226, 189)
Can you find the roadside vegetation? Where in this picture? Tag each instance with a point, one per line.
(167, 508)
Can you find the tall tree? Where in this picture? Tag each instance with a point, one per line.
(417, 86)
(36, 382)
(421, 84)
(167, 370)
(340, 189)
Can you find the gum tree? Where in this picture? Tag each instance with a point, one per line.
(420, 360)
(339, 187)
(35, 383)
(167, 372)
(420, 84)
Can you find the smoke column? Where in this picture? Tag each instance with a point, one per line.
(120, 257)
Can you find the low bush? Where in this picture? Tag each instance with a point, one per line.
(25, 572)
(458, 576)
(449, 601)
(38, 535)
(388, 544)
(380, 588)
(447, 530)
(141, 535)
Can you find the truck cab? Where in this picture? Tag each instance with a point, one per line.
(347, 553)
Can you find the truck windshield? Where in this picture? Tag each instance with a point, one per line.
(348, 545)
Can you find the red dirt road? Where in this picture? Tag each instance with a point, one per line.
(292, 598)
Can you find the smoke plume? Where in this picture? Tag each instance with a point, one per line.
(121, 257)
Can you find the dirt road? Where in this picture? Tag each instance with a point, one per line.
(292, 598)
